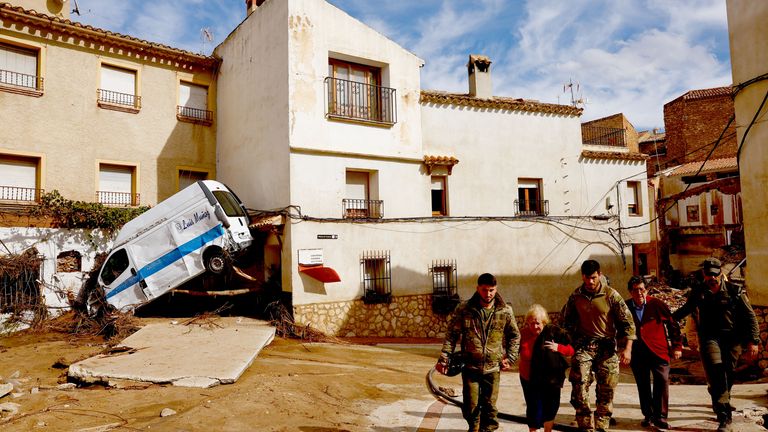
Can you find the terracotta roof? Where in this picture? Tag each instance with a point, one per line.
(504, 103)
(433, 161)
(590, 154)
(724, 164)
(703, 93)
(135, 46)
(646, 136)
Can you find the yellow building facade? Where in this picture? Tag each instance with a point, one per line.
(99, 116)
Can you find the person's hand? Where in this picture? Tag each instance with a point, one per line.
(626, 356)
(552, 346)
(752, 350)
(441, 367)
(506, 364)
(676, 354)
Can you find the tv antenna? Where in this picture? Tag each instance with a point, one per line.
(206, 36)
(577, 100)
(75, 10)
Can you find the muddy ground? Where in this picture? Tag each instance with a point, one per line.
(291, 386)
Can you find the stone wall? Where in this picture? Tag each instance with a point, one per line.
(405, 316)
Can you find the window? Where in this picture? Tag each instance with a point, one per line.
(692, 213)
(357, 204)
(634, 198)
(117, 185)
(714, 209)
(69, 261)
(354, 91)
(19, 69)
(118, 89)
(694, 179)
(444, 286)
(115, 266)
(439, 196)
(19, 178)
(193, 103)
(377, 277)
(189, 177)
(529, 202)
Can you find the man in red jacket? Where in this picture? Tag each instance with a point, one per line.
(651, 351)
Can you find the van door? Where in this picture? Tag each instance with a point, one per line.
(122, 285)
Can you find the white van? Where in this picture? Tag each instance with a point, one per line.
(201, 227)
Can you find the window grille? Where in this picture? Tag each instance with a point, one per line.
(19, 289)
(376, 273)
(444, 286)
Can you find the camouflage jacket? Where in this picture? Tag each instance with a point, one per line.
(601, 315)
(483, 348)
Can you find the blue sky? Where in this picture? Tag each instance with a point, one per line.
(629, 56)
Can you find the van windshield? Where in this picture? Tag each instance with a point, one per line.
(229, 203)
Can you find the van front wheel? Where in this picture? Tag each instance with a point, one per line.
(216, 263)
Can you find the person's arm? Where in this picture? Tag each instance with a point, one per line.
(745, 311)
(673, 329)
(512, 339)
(625, 326)
(452, 334)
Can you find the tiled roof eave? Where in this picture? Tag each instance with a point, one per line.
(497, 103)
(34, 19)
(591, 154)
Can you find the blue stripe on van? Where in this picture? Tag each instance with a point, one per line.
(169, 258)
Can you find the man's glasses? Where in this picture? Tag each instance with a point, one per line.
(711, 274)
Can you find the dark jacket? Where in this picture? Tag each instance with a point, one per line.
(655, 328)
(483, 350)
(548, 367)
(724, 314)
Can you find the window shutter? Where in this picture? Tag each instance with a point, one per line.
(115, 179)
(193, 96)
(357, 185)
(18, 173)
(118, 80)
(18, 60)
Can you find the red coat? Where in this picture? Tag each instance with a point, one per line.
(656, 326)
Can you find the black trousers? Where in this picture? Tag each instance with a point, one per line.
(654, 402)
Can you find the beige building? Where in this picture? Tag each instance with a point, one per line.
(98, 116)
(749, 57)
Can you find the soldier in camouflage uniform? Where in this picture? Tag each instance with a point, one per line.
(596, 317)
(490, 342)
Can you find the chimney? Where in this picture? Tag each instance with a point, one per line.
(479, 68)
(251, 5)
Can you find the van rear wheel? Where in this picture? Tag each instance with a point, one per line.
(216, 263)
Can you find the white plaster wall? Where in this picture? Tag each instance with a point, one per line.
(317, 31)
(495, 148)
(50, 242)
(534, 262)
(253, 110)
(748, 39)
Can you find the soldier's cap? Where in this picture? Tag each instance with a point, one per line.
(711, 265)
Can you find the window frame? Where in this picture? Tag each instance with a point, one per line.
(134, 199)
(351, 100)
(134, 108)
(376, 289)
(443, 204)
(692, 213)
(39, 188)
(540, 207)
(181, 169)
(39, 51)
(193, 114)
(634, 190)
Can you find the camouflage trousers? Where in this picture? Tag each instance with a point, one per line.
(480, 391)
(600, 359)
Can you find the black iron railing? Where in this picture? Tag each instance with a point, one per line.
(376, 273)
(15, 193)
(531, 207)
(117, 98)
(604, 136)
(21, 80)
(195, 114)
(126, 199)
(358, 101)
(362, 209)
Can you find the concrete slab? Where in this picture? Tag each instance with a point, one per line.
(216, 351)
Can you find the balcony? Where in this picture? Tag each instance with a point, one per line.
(20, 194)
(603, 136)
(362, 209)
(194, 115)
(350, 100)
(118, 101)
(117, 199)
(21, 83)
(531, 207)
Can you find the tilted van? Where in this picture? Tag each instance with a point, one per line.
(198, 229)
